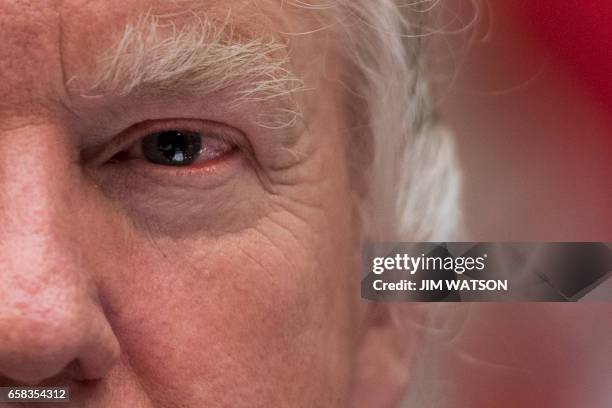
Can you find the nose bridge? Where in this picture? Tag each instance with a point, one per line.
(39, 265)
(37, 185)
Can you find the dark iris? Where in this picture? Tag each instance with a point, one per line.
(172, 147)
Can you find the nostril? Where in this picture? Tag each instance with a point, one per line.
(30, 358)
(74, 371)
(63, 379)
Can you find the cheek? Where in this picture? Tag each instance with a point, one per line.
(243, 312)
(263, 314)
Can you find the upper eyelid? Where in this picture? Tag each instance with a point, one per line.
(131, 135)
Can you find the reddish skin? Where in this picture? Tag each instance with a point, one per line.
(238, 298)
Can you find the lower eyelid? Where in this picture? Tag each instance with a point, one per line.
(211, 159)
(205, 174)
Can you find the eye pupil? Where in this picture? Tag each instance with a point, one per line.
(172, 147)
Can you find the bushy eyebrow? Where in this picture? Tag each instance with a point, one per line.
(155, 55)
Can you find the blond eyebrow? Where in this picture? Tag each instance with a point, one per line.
(155, 55)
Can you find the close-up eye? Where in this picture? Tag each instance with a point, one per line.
(178, 147)
(176, 143)
(181, 147)
(172, 147)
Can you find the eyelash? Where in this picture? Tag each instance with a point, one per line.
(217, 141)
(177, 147)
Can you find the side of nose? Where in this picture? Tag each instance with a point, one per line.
(50, 315)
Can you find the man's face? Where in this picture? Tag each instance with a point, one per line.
(160, 245)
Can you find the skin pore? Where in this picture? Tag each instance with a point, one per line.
(230, 282)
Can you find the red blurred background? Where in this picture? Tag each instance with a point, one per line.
(527, 88)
